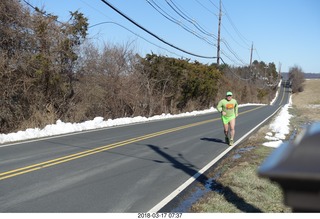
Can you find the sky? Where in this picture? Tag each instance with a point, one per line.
(284, 32)
(277, 133)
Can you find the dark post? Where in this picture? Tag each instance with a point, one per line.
(218, 46)
(296, 167)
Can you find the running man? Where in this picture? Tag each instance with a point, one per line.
(228, 108)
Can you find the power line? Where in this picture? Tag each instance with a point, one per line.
(182, 14)
(228, 47)
(214, 5)
(230, 70)
(255, 49)
(207, 9)
(152, 34)
(233, 37)
(232, 52)
(227, 56)
(235, 28)
(42, 12)
(224, 41)
(166, 15)
(170, 18)
(111, 22)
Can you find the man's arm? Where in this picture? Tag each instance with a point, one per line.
(219, 107)
(236, 108)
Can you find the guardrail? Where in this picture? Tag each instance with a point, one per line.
(296, 168)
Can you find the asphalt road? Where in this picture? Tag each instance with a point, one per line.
(131, 168)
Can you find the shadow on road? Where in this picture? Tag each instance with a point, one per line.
(217, 140)
(192, 171)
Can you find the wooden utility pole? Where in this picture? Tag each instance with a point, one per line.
(251, 54)
(218, 46)
(279, 74)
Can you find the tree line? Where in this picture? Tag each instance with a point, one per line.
(49, 70)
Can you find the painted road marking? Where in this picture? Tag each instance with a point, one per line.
(60, 160)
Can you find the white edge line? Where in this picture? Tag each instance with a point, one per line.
(171, 196)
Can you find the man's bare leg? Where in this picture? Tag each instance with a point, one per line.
(226, 132)
(226, 129)
(232, 131)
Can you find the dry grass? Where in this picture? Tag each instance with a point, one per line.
(308, 102)
(239, 189)
(306, 106)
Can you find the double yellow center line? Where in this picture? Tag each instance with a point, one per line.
(38, 166)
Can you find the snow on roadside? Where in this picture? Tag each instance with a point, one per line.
(98, 122)
(280, 127)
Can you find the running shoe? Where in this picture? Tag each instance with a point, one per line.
(226, 140)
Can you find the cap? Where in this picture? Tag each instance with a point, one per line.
(229, 93)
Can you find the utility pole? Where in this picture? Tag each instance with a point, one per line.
(279, 74)
(218, 46)
(251, 54)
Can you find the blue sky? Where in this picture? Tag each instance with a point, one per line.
(285, 32)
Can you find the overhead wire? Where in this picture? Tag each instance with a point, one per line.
(89, 5)
(232, 51)
(227, 45)
(182, 14)
(41, 12)
(111, 22)
(207, 9)
(170, 18)
(186, 17)
(244, 47)
(247, 47)
(255, 49)
(235, 28)
(230, 70)
(252, 74)
(213, 4)
(224, 41)
(152, 34)
(230, 58)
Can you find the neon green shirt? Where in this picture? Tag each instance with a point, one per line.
(230, 107)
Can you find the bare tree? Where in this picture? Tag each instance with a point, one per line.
(296, 77)
(107, 84)
(36, 65)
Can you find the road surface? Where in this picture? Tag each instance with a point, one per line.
(132, 168)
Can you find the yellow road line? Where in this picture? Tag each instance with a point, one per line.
(283, 94)
(45, 164)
